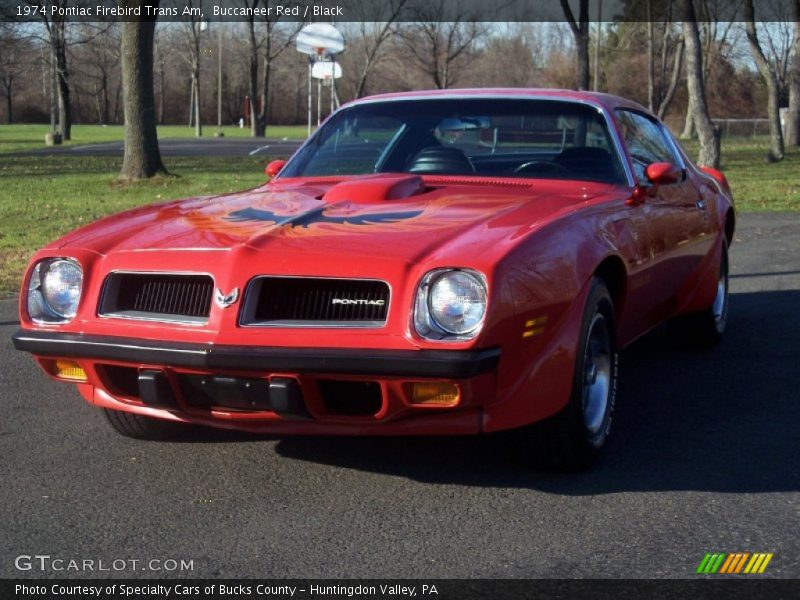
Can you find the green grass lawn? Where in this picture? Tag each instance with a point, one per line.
(43, 197)
(757, 184)
(23, 138)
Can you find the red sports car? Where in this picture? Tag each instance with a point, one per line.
(452, 262)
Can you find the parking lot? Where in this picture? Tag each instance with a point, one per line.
(703, 458)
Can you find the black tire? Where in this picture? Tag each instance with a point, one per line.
(145, 428)
(704, 329)
(572, 439)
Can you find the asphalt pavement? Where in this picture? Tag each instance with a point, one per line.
(206, 146)
(703, 458)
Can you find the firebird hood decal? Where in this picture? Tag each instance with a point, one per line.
(320, 215)
(293, 214)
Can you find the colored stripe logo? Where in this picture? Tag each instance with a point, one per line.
(734, 563)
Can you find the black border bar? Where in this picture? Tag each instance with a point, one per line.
(414, 363)
(356, 11)
(399, 589)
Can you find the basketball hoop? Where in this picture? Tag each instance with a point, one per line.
(321, 42)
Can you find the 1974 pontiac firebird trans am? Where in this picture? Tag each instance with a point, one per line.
(451, 262)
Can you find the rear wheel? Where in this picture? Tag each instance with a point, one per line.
(145, 428)
(572, 439)
(705, 328)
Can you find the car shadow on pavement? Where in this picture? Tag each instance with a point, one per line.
(725, 419)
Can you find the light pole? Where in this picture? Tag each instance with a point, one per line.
(219, 82)
(597, 45)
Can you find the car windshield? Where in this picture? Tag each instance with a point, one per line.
(486, 137)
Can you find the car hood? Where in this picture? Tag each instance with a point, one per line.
(400, 217)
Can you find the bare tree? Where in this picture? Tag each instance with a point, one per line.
(142, 157)
(98, 68)
(55, 27)
(263, 49)
(190, 50)
(276, 41)
(660, 94)
(372, 38)
(580, 31)
(441, 40)
(793, 114)
(677, 65)
(770, 77)
(695, 82)
(716, 24)
(254, 50)
(14, 63)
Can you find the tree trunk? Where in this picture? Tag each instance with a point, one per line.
(362, 84)
(106, 113)
(263, 113)
(580, 31)
(255, 129)
(769, 76)
(793, 114)
(142, 158)
(583, 61)
(673, 83)
(706, 130)
(64, 105)
(9, 108)
(651, 62)
(688, 125)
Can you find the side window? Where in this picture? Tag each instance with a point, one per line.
(354, 146)
(645, 141)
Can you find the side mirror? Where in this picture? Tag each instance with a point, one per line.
(274, 168)
(663, 173)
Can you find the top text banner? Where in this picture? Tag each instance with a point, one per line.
(376, 10)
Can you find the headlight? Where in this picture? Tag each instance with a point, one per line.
(450, 304)
(54, 290)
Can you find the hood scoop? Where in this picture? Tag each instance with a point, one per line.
(376, 188)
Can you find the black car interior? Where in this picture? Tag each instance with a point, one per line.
(511, 138)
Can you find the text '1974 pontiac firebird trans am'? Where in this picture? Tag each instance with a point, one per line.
(427, 263)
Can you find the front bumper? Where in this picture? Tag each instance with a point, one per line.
(295, 380)
(415, 363)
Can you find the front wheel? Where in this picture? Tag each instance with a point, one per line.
(705, 328)
(572, 439)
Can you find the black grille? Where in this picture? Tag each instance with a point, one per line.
(169, 297)
(285, 300)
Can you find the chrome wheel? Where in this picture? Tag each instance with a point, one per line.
(720, 306)
(574, 437)
(597, 373)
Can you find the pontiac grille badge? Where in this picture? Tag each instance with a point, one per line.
(360, 301)
(223, 300)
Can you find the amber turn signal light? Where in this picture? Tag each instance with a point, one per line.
(67, 370)
(435, 393)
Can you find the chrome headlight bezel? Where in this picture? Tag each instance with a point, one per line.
(39, 309)
(425, 322)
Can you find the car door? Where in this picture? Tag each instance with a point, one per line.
(677, 221)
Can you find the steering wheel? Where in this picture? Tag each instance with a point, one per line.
(542, 167)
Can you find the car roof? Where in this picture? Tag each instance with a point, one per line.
(607, 101)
